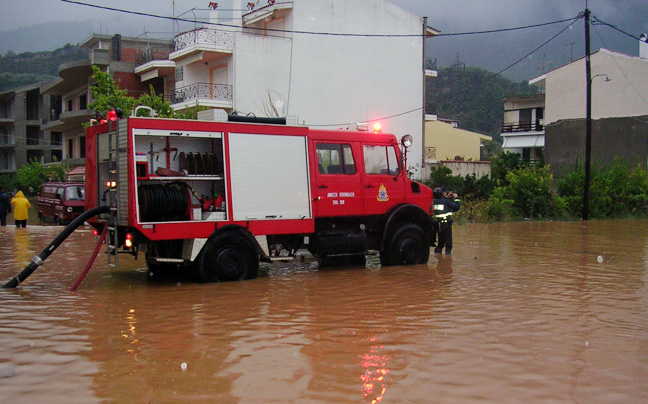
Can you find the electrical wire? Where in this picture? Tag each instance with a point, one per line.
(596, 21)
(455, 95)
(310, 32)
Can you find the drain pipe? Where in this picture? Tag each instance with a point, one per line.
(40, 258)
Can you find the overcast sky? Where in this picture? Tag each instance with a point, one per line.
(449, 16)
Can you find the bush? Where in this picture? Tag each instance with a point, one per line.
(615, 190)
(8, 182)
(528, 195)
(468, 187)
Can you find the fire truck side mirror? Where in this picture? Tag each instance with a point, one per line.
(406, 141)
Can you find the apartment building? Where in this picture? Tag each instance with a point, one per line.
(115, 54)
(23, 112)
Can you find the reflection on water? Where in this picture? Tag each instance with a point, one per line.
(520, 312)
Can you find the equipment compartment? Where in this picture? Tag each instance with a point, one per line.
(179, 176)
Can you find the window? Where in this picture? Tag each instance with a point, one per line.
(69, 105)
(333, 158)
(83, 101)
(179, 74)
(380, 160)
(82, 146)
(33, 135)
(75, 193)
(56, 139)
(70, 149)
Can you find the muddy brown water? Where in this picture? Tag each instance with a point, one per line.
(522, 312)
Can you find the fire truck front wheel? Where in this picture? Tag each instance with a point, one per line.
(408, 246)
(228, 257)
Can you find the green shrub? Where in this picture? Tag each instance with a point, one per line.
(615, 190)
(527, 195)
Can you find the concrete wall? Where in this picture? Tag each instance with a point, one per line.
(624, 95)
(623, 137)
(464, 168)
(261, 72)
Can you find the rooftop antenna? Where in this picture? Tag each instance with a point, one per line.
(544, 64)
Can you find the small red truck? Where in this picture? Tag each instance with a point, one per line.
(218, 197)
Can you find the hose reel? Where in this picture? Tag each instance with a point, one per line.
(160, 203)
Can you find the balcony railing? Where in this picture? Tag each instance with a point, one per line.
(522, 127)
(203, 36)
(203, 90)
(153, 53)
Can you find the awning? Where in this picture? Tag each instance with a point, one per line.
(520, 141)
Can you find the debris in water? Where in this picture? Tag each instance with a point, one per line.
(183, 366)
(600, 259)
(7, 371)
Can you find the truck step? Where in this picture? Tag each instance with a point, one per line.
(168, 260)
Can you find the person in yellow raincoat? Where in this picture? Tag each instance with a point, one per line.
(21, 209)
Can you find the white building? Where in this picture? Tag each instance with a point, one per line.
(552, 124)
(324, 63)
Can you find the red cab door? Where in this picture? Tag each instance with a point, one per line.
(383, 180)
(339, 187)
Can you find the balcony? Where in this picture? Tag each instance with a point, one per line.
(511, 127)
(202, 45)
(430, 67)
(154, 62)
(203, 94)
(69, 121)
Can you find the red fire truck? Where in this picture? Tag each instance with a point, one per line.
(217, 197)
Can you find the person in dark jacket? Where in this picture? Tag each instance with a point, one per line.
(5, 207)
(444, 206)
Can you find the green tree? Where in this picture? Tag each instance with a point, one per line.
(32, 175)
(106, 94)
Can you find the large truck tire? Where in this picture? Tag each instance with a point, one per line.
(228, 256)
(408, 246)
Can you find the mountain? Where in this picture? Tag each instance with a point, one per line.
(40, 37)
(17, 70)
(472, 96)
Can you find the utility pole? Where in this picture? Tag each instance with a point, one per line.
(423, 171)
(588, 117)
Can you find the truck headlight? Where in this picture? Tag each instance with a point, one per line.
(69, 209)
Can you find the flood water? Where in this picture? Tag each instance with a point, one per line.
(523, 312)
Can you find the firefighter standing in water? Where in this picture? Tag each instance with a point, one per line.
(445, 202)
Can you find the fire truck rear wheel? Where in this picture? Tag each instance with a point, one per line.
(228, 258)
(408, 246)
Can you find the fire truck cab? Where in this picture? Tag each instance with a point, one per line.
(217, 197)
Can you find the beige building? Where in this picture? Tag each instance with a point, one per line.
(619, 110)
(458, 149)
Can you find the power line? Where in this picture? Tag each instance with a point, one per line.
(506, 29)
(596, 21)
(573, 20)
(310, 32)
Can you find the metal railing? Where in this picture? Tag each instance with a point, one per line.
(430, 64)
(202, 90)
(522, 127)
(153, 53)
(203, 36)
